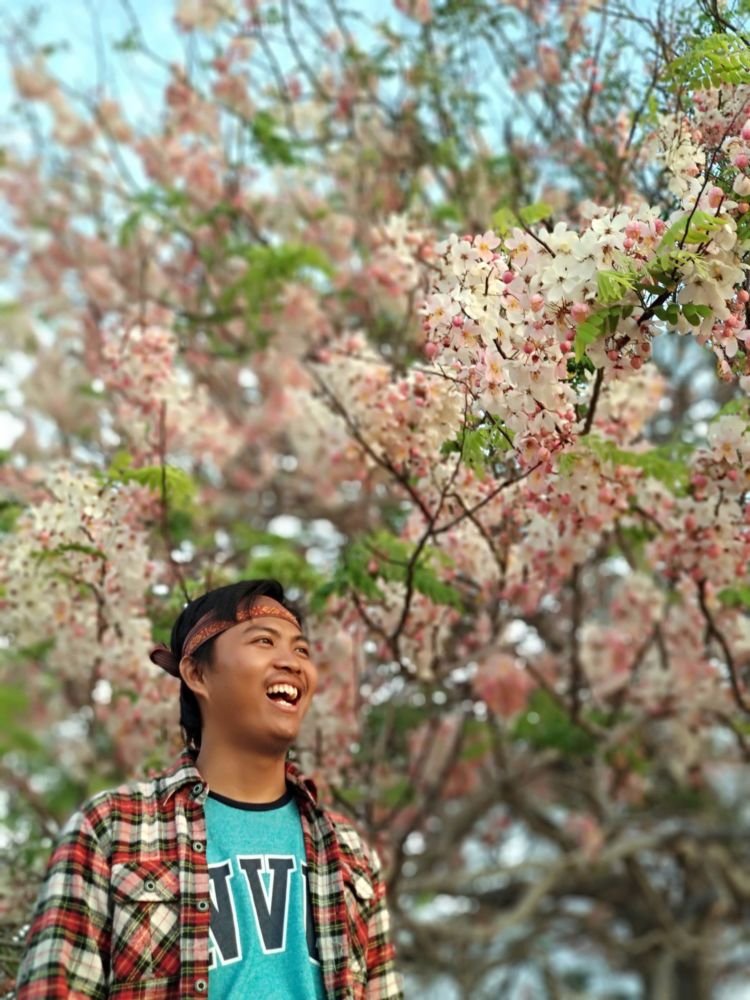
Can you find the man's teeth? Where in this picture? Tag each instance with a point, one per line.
(287, 690)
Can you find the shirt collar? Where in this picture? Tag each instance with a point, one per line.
(184, 771)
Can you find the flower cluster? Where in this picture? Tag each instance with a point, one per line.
(75, 575)
(158, 406)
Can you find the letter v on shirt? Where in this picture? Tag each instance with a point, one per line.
(262, 937)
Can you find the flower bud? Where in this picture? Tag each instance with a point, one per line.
(579, 311)
(536, 302)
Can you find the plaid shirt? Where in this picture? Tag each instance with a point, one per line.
(124, 908)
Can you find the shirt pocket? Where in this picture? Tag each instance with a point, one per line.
(145, 921)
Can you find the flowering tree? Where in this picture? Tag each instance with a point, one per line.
(442, 319)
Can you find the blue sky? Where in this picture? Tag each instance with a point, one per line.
(71, 23)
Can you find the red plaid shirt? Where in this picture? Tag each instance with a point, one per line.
(124, 908)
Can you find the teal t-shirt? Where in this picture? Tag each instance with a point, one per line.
(262, 937)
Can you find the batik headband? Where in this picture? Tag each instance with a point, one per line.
(209, 626)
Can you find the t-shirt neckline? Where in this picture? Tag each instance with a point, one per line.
(279, 803)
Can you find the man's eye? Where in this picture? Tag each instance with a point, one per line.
(304, 650)
(263, 638)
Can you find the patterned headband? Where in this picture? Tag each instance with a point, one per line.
(207, 627)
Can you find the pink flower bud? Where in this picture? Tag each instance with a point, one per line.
(636, 362)
(508, 276)
(745, 133)
(628, 243)
(715, 196)
(741, 160)
(579, 311)
(743, 295)
(536, 302)
(457, 321)
(743, 207)
(431, 350)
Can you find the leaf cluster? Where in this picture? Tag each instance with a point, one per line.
(711, 62)
(666, 463)
(383, 558)
(480, 446)
(175, 485)
(506, 217)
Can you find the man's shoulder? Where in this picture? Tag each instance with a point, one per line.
(123, 806)
(353, 843)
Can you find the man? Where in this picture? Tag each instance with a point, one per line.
(222, 876)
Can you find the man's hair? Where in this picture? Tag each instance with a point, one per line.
(224, 602)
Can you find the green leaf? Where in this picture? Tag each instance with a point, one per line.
(546, 725)
(693, 227)
(712, 62)
(666, 463)
(268, 268)
(9, 514)
(14, 733)
(272, 145)
(384, 557)
(591, 330)
(613, 285)
(129, 228)
(177, 484)
(695, 313)
(737, 596)
(673, 313)
(400, 793)
(480, 445)
(733, 407)
(288, 566)
(506, 218)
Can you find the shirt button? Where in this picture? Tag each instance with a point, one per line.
(199, 847)
(201, 985)
(202, 905)
(150, 885)
(197, 789)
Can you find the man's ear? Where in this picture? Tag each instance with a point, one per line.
(192, 674)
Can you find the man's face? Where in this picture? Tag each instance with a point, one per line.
(260, 682)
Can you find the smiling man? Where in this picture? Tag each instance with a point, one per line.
(223, 876)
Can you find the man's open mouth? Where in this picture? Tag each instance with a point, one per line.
(284, 694)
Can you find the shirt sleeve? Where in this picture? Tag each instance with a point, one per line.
(383, 979)
(66, 956)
